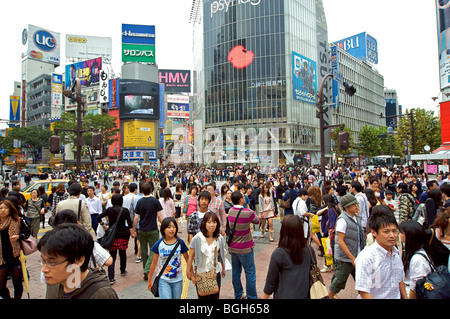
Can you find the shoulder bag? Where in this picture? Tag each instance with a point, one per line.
(435, 285)
(317, 288)
(230, 232)
(155, 286)
(206, 282)
(107, 240)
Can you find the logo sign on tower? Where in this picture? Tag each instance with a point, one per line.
(138, 43)
(43, 45)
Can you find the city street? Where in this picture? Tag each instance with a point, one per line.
(132, 285)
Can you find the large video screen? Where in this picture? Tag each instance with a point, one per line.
(139, 99)
(139, 104)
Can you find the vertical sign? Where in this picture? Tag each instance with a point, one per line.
(14, 111)
(103, 90)
(334, 67)
(443, 24)
(57, 91)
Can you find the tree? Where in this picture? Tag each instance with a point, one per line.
(369, 143)
(427, 130)
(104, 123)
(33, 137)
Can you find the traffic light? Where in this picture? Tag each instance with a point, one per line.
(55, 144)
(97, 141)
(349, 89)
(343, 140)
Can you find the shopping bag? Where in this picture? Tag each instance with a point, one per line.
(328, 258)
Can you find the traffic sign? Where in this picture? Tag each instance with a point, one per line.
(2, 151)
(338, 77)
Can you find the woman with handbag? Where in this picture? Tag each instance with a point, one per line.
(121, 216)
(289, 267)
(167, 254)
(206, 264)
(329, 213)
(190, 205)
(12, 231)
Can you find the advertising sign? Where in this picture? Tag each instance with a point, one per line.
(138, 53)
(57, 90)
(139, 100)
(87, 71)
(334, 84)
(138, 155)
(445, 122)
(14, 110)
(88, 47)
(103, 89)
(138, 43)
(362, 46)
(304, 78)
(43, 45)
(114, 93)
(443, 24)
(176, 81)
(139, 134)
(178, 106)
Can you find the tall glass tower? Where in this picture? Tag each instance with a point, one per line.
(257, 66)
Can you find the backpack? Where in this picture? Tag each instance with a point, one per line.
(435, 285)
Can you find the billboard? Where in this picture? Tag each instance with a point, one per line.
(14, 110)
(445, 122)
(88, 47)
(43, 45)
(87, 71)
(139, 134)
(178, 106)
(334, 84)
(176, 81)
(443, 24)
(391, 110)
(361, 46)
(57, 91)
(103, 88)
(304, 78)
(113, 93)
(139, 99)
(138, 43)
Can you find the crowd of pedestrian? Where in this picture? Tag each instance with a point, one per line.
(386, 228)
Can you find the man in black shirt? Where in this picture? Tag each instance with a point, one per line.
(147, 210)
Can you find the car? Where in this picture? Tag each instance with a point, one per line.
(48, 184)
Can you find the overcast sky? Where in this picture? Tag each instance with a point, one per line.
(406, 33)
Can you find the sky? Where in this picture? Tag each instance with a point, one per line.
(406, 32)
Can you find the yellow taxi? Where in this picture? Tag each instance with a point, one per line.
(26, 191)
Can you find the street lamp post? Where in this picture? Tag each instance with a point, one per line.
(350, 90)
(390, 132)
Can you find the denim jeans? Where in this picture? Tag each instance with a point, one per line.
(170, 290)
(147, 240)
(247, 261)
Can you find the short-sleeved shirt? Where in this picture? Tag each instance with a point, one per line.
(147, 208)
(173, 271)
(379, 272)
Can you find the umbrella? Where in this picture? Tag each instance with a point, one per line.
(23, 259)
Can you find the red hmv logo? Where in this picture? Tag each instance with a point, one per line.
(240, 57)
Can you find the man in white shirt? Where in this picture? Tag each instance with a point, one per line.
(378, 268)
(94, 205)
(301, 210)
(356, 189)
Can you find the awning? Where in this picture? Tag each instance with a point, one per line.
(440, 153)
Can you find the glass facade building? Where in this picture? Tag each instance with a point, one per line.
(257, 66)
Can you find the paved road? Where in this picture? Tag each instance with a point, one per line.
(132, 285)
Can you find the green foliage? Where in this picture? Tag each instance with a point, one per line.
(427, 130)
(34, 137)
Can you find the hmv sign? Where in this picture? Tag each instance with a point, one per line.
(175, 81)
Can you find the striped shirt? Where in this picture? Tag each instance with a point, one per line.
(216, 206)
(242, 242)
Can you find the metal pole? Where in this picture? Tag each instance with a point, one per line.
(392, 160)
(322, 125)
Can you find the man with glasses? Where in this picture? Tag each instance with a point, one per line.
(351, 239)
(65, 254)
